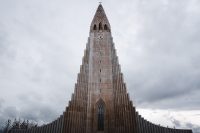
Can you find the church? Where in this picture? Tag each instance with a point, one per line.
(100, 102)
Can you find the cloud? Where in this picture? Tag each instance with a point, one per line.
(10, 112)
(195, 128)
(172, 118)
(42, 44)
(187, 125)
(161, 61)
(1, 102)
(177, 123)
(36, 110)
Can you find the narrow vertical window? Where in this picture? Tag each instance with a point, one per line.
(100, 26)
(105, 27)
(100, 117)
(95, 27)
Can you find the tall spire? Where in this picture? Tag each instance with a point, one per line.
(100, 21)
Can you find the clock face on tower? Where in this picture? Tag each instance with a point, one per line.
(100, 36)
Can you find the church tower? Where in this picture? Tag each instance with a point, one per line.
(100, 102)
(100, 96)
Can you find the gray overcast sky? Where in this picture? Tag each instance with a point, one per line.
(157, 41)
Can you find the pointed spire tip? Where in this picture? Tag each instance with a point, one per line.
(100, 18)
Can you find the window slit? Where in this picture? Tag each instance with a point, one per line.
(95, 27)
(100, 117)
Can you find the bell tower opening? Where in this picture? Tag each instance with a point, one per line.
(100, 26)
(105, 27)
(95, 27)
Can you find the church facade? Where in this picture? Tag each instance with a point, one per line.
(100, 102)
